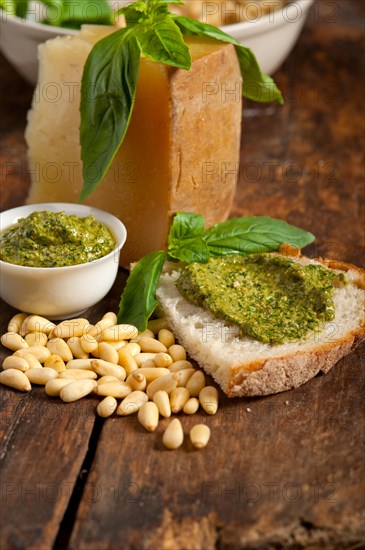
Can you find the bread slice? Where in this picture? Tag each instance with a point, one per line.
(243, 366)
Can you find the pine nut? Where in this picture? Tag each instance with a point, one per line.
(149, 364)
(148, 416)
(41, 376)
(196, 383)
(55, 362)
(184, 376)
(93, 331)
(180, 365)
(39, 352)
(88, 343)
(107, 353)
(167, 383)
(107, 406)
(191, 406)
(117, 345)
(111, 316)
(108, 378)
(13, 341)
(152, 373)
(126, 360)
(137, 381)
(13, 362)
(70, 328)
(99, 327)
(140, 358)
(84, 364)
(174, 435)
(36, 339)
(132, 403)
(134, 348)
(178, 398)
(117, 389)
(163, 360)
(150, 345)
(200, 435)
(23, 329)
(166, 337)
(16, 379)
(76, 348)
(208, 398)
(53, 387)
(155, 325)
(59, 347)
(104, 368)
(16, 322)
(162, 400)
(32, 361)
(76, 374)
(146, 332)
(77, 389)
(177, 352)
(35, 323)
(119, 332)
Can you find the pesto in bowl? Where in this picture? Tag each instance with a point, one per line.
(55, 239)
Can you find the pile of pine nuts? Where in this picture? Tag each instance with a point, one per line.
(147, 370)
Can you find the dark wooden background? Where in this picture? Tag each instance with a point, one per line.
(285, 471)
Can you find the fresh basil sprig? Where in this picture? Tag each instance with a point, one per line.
(189, 242)
(159, 36)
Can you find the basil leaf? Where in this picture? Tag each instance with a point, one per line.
(162, 41)
(77, 12)
(256, 85)
(186, 241)
(138, 300)
(108, 91)
(185, 225)
(21, 8)
(249, 235)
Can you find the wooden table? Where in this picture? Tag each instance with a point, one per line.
(284, 471)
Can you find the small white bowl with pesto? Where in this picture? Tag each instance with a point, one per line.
(58, 259)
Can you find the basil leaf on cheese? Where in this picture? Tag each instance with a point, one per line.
(163, 42)
(138, 300)
(108, 91)
(256, 85)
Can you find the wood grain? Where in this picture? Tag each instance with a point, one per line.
(285, 471)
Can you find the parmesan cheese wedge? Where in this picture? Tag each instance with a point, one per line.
(181, 150)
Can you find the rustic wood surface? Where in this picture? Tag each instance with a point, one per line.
(285, 471)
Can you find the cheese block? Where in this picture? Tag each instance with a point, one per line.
(181, 150)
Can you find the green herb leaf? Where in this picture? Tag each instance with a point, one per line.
(108, 91)
(256, 85)
(138, 300)
(162, 41)
(186, 241)
(21, 8)
(248, 235)
(15, 7)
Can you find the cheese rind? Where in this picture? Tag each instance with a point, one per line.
(180, 152)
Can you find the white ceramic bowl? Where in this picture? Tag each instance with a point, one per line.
(60, 292)
(271, 37)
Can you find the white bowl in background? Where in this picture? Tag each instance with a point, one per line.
(271, 37)
(60, 292)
